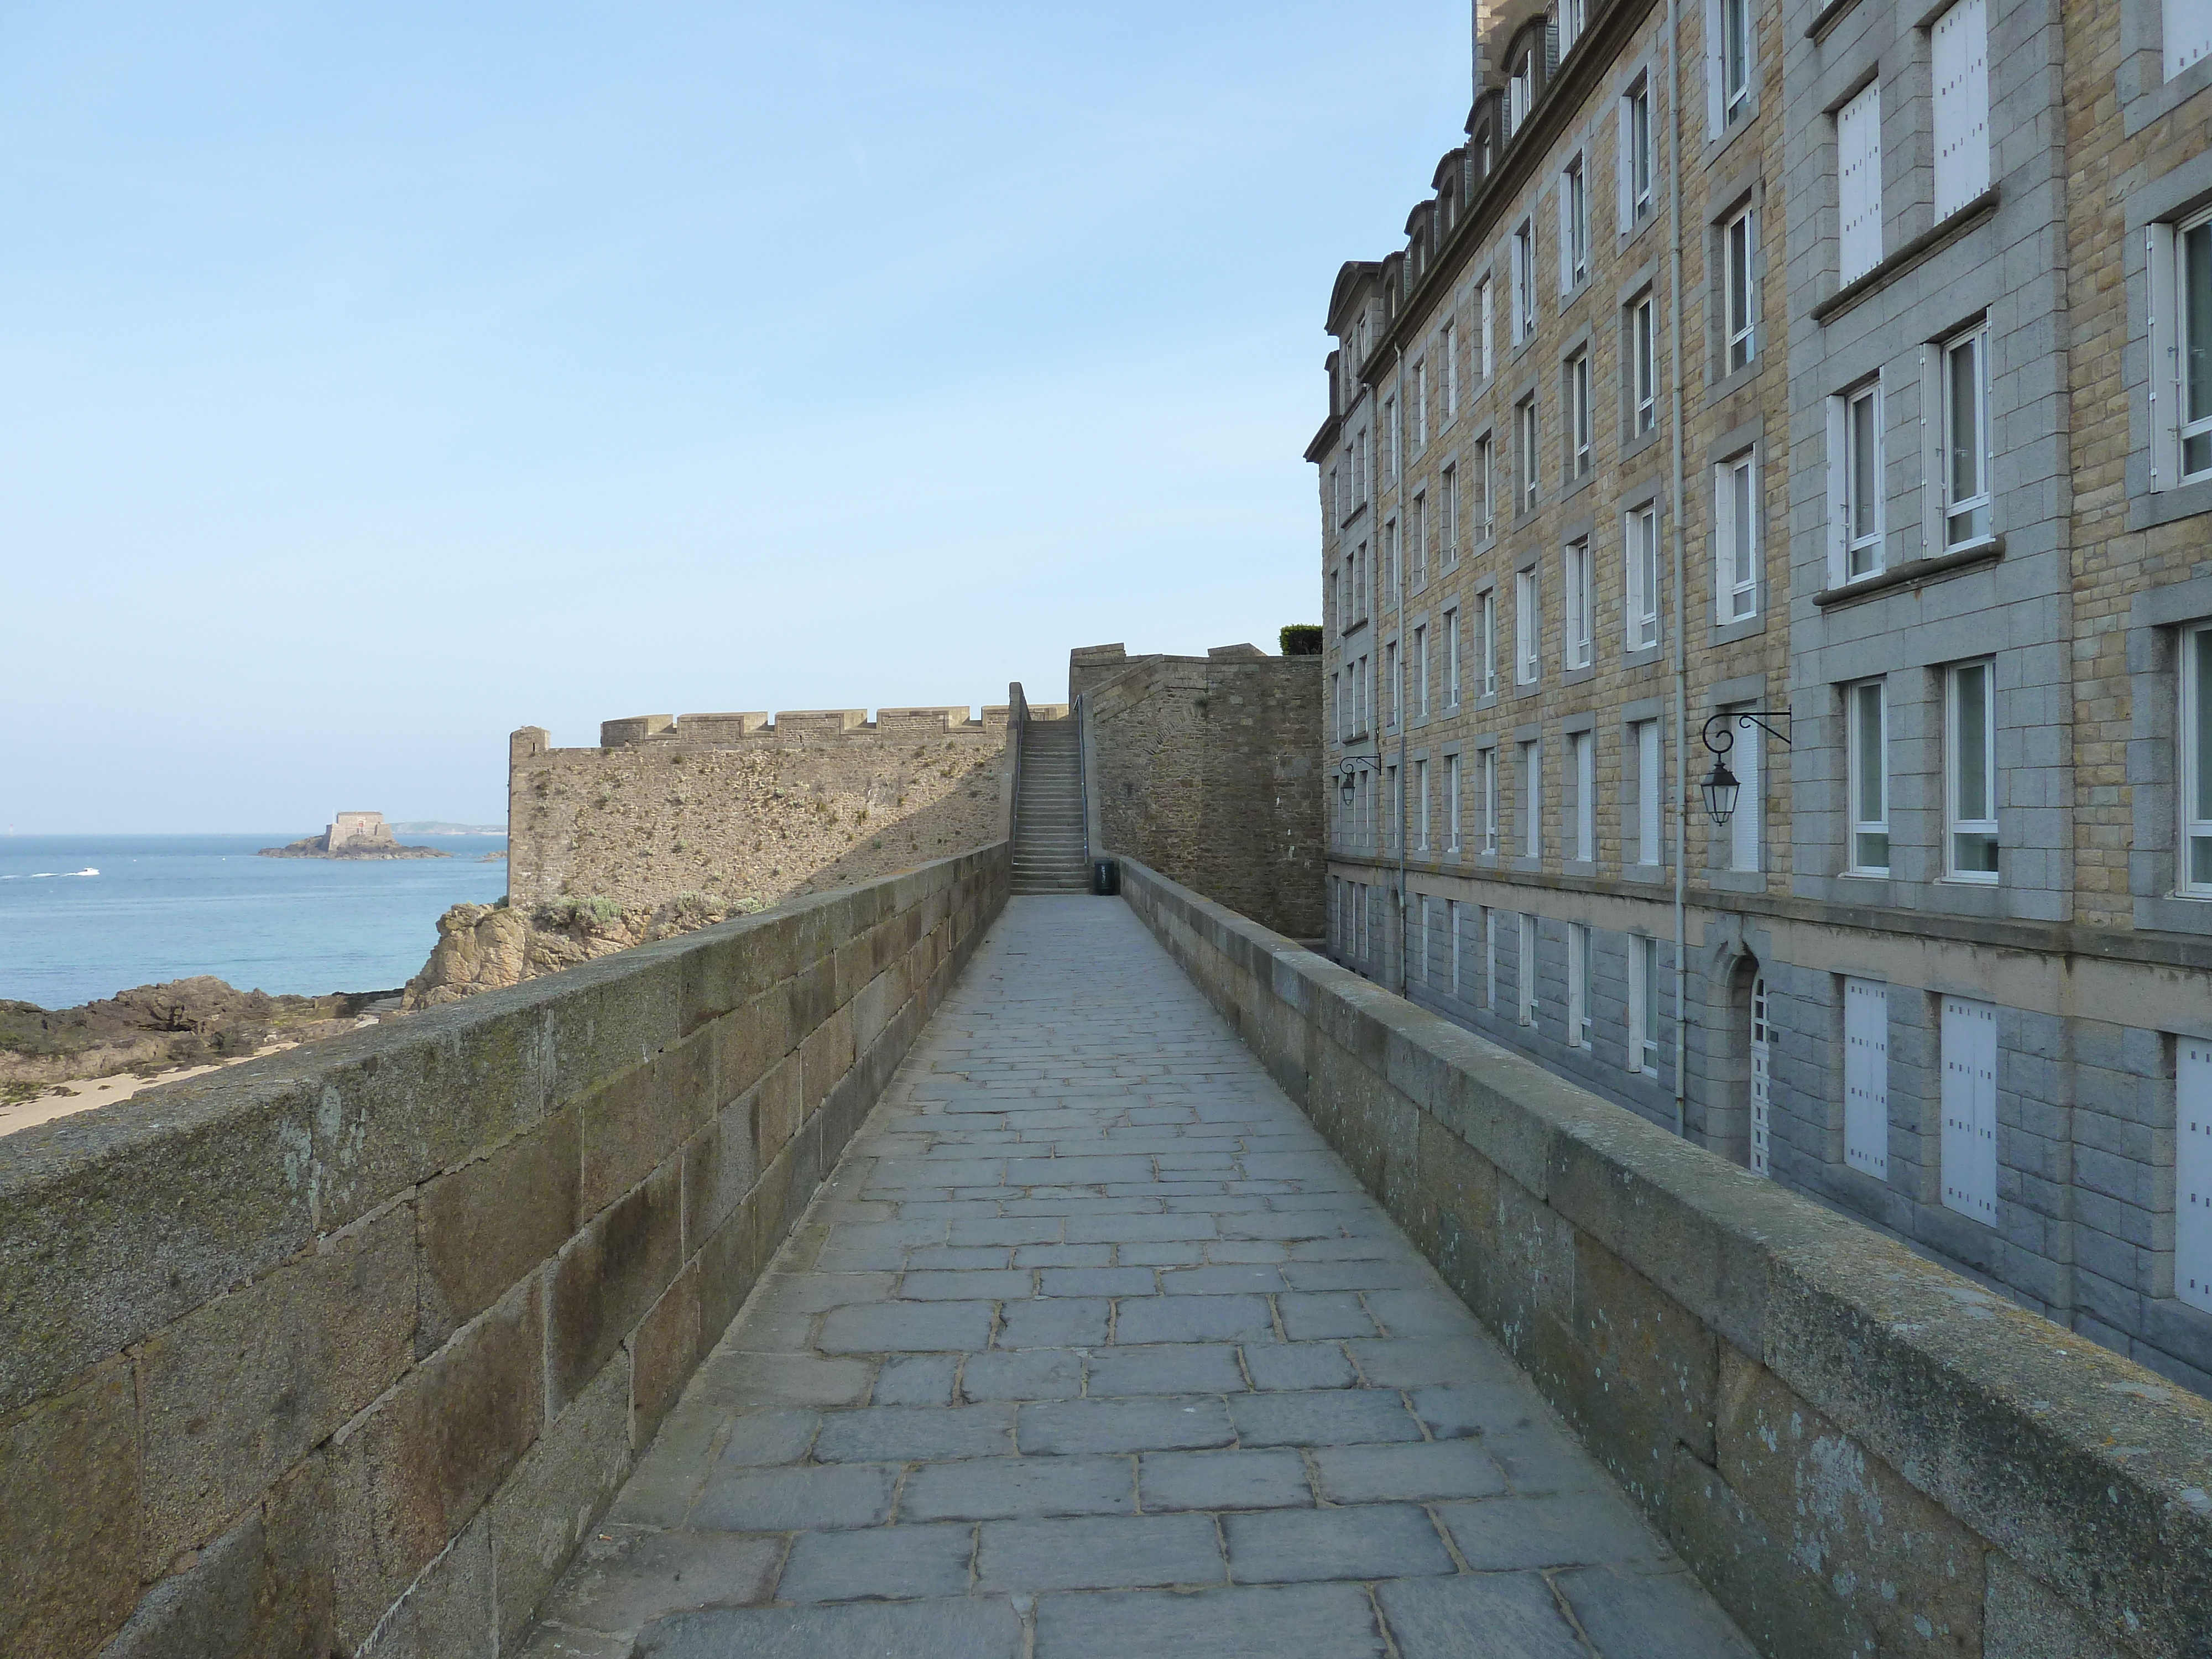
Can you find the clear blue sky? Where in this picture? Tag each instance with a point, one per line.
(374, 379)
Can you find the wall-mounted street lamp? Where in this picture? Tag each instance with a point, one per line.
(1720, 789)
(1348, 773)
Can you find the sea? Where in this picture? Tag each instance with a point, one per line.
(82, 917)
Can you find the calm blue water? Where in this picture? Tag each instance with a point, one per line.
(163, 907)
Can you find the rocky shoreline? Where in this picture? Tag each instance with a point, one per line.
(312, 846)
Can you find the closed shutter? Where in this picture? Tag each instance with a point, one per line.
(1744, 828)
(2192, 1174)
(2188, 34)
(1866, 1077)
(1970, 1108)
(1959, 48)
(1858, 184)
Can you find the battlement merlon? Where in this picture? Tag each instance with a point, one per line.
(736, 731)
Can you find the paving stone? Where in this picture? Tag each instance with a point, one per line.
(1588, 1528)
(1166, 1368)
(916, 1379)
(1170, 1423)
(1496, 1615)
(1423, 1470)
(879, 1561)
(915, 1434)
(1004, 1230)
(1449, 1412)
(1298, 1365)
(1156, 1253)
(957, 1258)
(1359, 1275)
(1333, 1416)
(1097, 1281)
(916, 1327)
(1316, 1315)
(1259, 1279)
(1414, 1363)
(1297, 1621)
(1247, 1251)
(624, 1577)
(1428, 1311)
(1224, 1480)
(1631, 1615)
(1075, 1171)
(962, 1627)
(1064, 1255)
(988, 1488)
(819, 1292)
(736, 1382)
(1032, 1374)
(1122, 1227)
(1364, 1541)
(877, 1244)
(791, 1499)
(779, 1434)
(1098, 1552)
(1195, 1319)
(1056, 1322)
(1538, 1455)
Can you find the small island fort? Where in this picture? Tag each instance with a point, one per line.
(353, 835)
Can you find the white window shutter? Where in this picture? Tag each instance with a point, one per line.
(1959, 48)
(1969, 1145)
(1723, 541)
(2192, 1173)
(1858, 184)
(2188, 30)
(1744, 825)
(1866, 1077)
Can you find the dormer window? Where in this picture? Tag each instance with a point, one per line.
(1519, 91)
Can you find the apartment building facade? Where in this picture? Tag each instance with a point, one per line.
(1802, 395)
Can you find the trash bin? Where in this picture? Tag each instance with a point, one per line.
(1105, 876)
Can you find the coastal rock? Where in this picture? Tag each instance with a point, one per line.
(488, 947)
(353, 835)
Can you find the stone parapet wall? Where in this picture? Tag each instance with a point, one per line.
(345, 1350)
(1857, 1451)
(1210, 768)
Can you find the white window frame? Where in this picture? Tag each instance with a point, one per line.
(1965, 773)
(1967, 519)
(1525, 967)
(1529, 442)
(1579, 594)
(1487, 921)
(1485, 477)
(1739, 251)
(1451, 659)
(1421, 797)
(1866, 834)
(1525, 280)
(1485, 341)
(1393, 428)
(1574, 224)
(1736, 507)
(1532, 798)
(1732, 59)
(1858, 484)
(1575, 380)
(2186, 334)
(1528, 628)
(1958, 78)
(1644, 364)
(1419, 397)
(1581, 965)
(1447, 341)
(1448, 516)
(1639, 541)
(1858, 184)
(1417, 541)
(1488, 604)
(1650, 829)
(1452, 808)
(1421, 671)
(1394, 679)
(1452, 927)
(1574, 19)
(1643, 1046)
(2193, 736)
(1584, 744)
(1488, 762)
(1634, 147)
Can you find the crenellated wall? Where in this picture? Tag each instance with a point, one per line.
(343, 1350)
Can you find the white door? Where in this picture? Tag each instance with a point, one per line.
(2192, 1173)
(1970, 1108)
(1866, 1077)
(1760, 1051)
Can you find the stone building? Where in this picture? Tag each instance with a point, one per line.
(1834, 362)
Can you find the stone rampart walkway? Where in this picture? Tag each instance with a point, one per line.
(1093, 1348)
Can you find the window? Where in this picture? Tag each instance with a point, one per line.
(1519, 91)
(1335, 497)
(1735, 50)
(1447, 338)
(1447, 516)
(1392, 442)
(1532, 801)
(1640, 544)
(1574, 17)
(1488, 922)
(1417, 540)
(2192, 341)
(1642, 357)
(1966, 440)
(1643, 1005)
(1744, 825)
(1735, 536)
(1525, 966)
(1585, 749)
(1489, 764)
(1575, 387)
(1451, 803)
(1525, 280)
(1452, 907)
(1528, 628)
(2196, 734)
(1971, 786)
(1390, 572)
(1421, 807)
(2187, 32)
(1648, 779)
(1869, 782)
(1421, 672)
(1858, 184)
(1855, 491)
(1524, 442)
(1969, 1145)
(1396, 682)
(1395, 803)
(1739, 258)
(2192, 1172)
(1636, 194)
(1483, 524)
(1451, 658)
(1420, 404)
(1574, 227)
(1959, 70)
(1487, 613)
(1575, 636)
(1478, 348)
(1866, 1077)
(1579, 965)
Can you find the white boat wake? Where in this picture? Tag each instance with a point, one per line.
(50, 875)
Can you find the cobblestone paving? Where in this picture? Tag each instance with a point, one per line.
(1093, 1348)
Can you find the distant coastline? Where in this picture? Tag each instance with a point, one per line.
(318, 846)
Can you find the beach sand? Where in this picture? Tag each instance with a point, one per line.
(85, 1093)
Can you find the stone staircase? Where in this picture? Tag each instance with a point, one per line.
(1048, 816)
